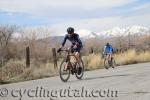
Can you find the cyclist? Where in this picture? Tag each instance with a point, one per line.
(108, 51)
(76, 43)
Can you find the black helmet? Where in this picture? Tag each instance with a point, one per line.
(107, 44)
(70, 30)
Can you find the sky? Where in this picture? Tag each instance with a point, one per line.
(94, 15)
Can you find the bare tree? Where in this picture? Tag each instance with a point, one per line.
(6, 32)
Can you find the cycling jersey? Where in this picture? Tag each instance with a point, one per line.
(74, 39)
(108, 49)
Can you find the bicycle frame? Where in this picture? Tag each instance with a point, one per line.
(107, 56)
(69, 55)
(71, 66)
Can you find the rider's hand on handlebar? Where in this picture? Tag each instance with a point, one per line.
(58, 50)
(75, 46)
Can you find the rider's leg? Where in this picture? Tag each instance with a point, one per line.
(110, 56)
(107, 56)
(77, 55)
(111, 59)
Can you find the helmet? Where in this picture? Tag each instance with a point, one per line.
(107, 44)
(70, 30)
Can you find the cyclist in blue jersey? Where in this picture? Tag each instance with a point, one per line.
(75, 41)
(108, 50)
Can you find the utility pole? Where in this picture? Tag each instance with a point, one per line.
(28, 56)
(129, 41)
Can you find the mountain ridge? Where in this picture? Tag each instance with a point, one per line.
(115, 32)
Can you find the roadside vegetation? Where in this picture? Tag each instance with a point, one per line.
(16, 71)
(13, 54)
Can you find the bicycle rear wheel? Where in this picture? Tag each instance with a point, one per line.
(113, 63)
(79, 70)
(64, 71)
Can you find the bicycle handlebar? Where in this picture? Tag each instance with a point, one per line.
(66, 50)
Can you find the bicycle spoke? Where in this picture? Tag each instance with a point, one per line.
(64, 71)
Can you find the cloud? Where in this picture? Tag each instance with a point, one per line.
(42, 6)
(95, 15)
(103, 24)
(140, 10)
(138, 15)
(143, 6)
(93, 24)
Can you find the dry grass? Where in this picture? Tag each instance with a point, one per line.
(143, 57)
(16, 71)
(126, 57)
(94, 61)
(12, 69)
(132, 57)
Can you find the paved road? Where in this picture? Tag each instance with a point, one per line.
(130, 82)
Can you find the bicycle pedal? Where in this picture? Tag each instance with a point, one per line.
(72, 72)
(107, 67)
(79, 70)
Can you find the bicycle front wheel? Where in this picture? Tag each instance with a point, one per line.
(106, 64)
(64, 71)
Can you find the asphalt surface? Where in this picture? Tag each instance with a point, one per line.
(131, 82)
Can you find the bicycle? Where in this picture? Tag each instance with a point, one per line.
(109, 62)
(68, 67)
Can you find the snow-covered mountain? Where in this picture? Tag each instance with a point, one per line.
(115, 32)
(87, 34)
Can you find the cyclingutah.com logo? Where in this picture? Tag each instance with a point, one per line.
(3, 92)
(40, 92)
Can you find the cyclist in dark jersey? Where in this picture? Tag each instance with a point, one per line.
(75, 40)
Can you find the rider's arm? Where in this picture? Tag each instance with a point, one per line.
(79, 41)
(111, 49)
(104, 50)
(64, 41)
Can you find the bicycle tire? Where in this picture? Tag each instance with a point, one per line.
(113, 63)
(61, 74)
(82, 70)
(106, 65)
